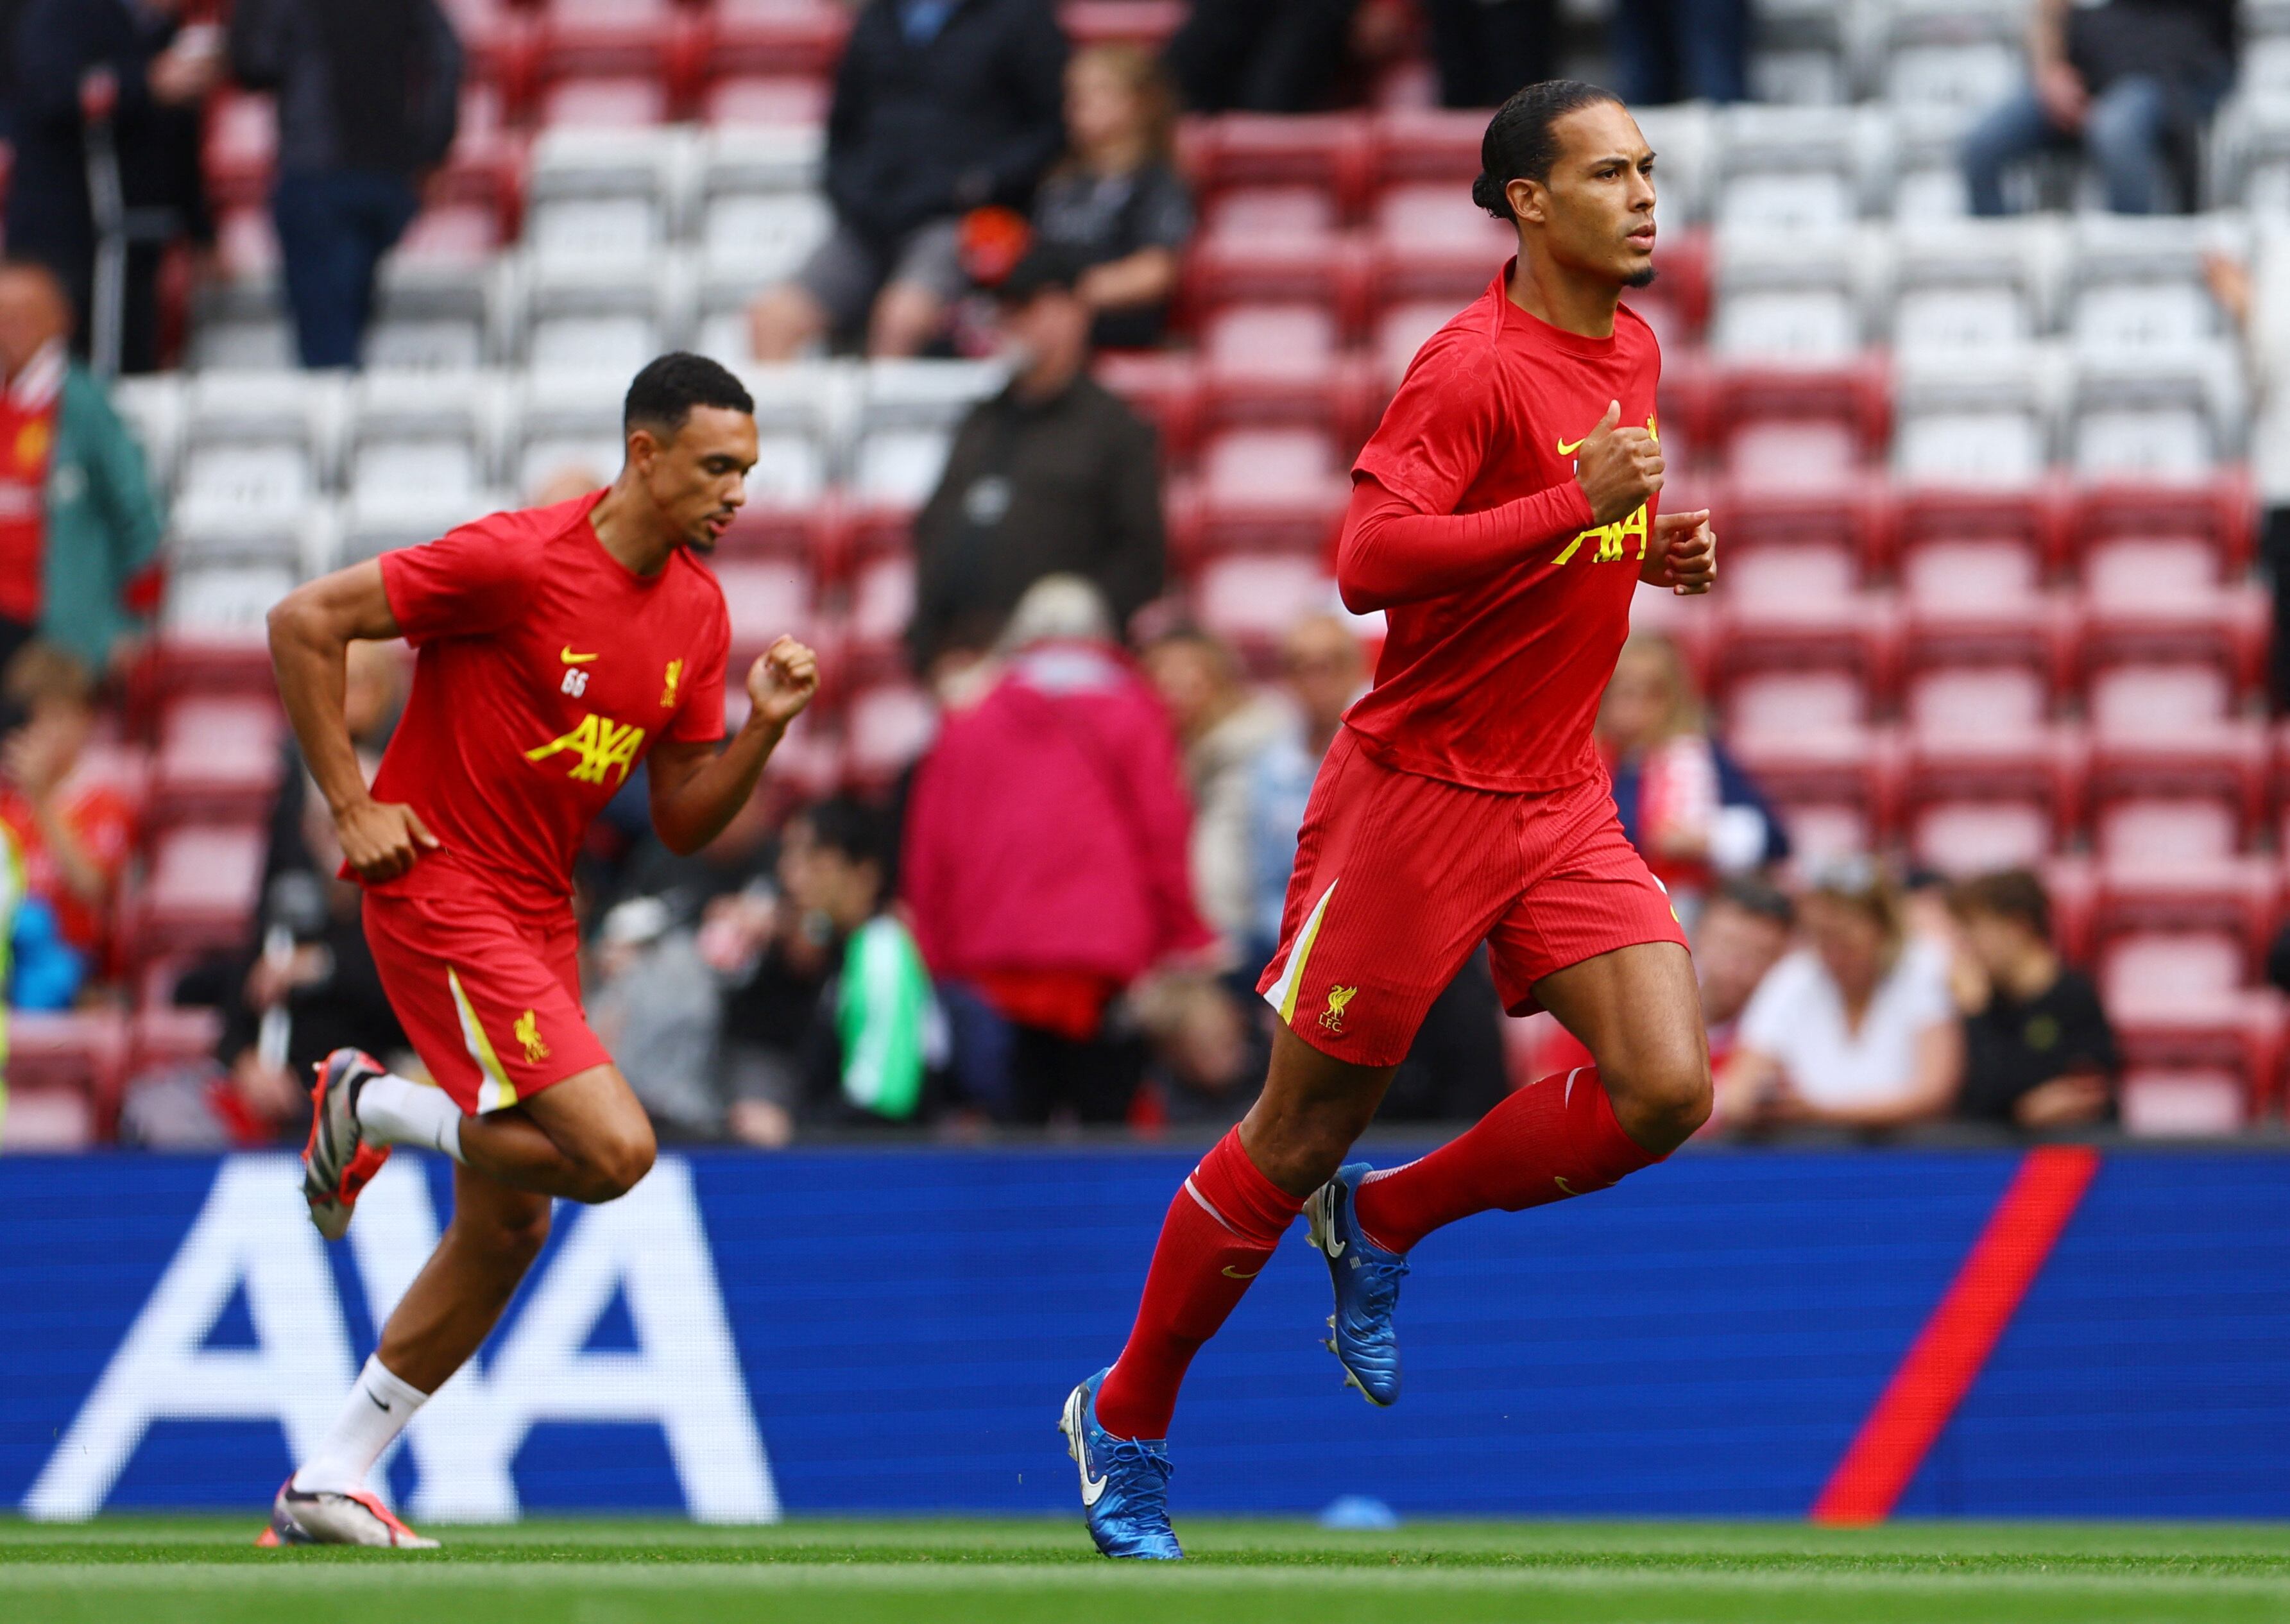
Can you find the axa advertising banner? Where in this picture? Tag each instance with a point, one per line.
(743, 1336)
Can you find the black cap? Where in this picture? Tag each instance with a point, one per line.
(1044, 266)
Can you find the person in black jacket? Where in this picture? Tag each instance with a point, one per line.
(367, 99)
(1054, 475)
(940, 106)
(108, 90)
(2039, 1052)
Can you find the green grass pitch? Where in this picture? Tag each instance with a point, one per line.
(205, 1571)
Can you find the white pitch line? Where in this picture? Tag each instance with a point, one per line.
(430, 1574)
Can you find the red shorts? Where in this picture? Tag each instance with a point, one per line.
(489, 996)
(1399, 878)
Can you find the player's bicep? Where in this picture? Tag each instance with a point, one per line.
(350, 604)
(1437, 435)
(469, 582)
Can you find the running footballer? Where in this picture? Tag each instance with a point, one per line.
(1501, 516)
(560, 649)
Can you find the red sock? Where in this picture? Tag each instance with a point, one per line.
(1222, 1226)
(1553, 1138)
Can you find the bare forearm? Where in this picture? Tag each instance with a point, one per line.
(1141, 278)
(702, 806)
(82, 874)
(309, 657)
(2047, 32)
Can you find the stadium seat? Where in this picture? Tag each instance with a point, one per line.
(218, 760)
(2232, 903)
(1796, 704)
(202, 890)
(1963, 837)
(1274, 211)
(886, 728)
(603, 192)
(65, 1069)
(431, 437)
(767, 599)
(766, 100)
(882, 608)
(432, 316)
(1798, 456)
(1270, 362)
(1147, 24)
(584, 102)
(1282, 268)
(1937, 321)
(2158, 829)
(632, 42)
(1251, 600)
(774, 37)
(899, 468)
(1270, 491)
(1836, 787)
(563, 421)
(240, 149)
(152, 406)
(1979, 704)
(1164, 388)
(602, 315)
(1329, 150)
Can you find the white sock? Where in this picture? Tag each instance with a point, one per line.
(372, 1416)
(395, 1110)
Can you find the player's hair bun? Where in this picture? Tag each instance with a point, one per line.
(1487, 192)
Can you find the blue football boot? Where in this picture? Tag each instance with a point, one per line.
(1124, 1482)
(1367, 1279)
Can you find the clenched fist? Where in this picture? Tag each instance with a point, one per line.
(781, 681)
(1684, 556)
(1618, 469)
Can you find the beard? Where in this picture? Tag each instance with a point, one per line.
(1640, 278)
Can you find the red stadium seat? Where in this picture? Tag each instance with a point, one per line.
(765, 99)
(167, 1035)
(775, 36)
(767, 599)
(2205, 1063)
(1432, 245)
(814, 537)
(218, 759)
(1796, 575)
(1273, 211)
(1857, 395)
(202, 891)
(2144, 828)
(1857, 632)
(1778, 452)
(1165, 388)
(1796, 704)
(1967, 837)
(1148, 23)
(459, 232)
(2219, 513)
(887, 727)
(2227, 628)
(65, 1069)
(1323, 149)
(1270, 491)
(1402, 330)
(2148, 970)
(2129, 568)
(2151, 700)
(653, 41)
(1277, 269)
(1976, 703)
(214, 662)
(2232, 900)
(608, 103)
(2035, 520)
(1835, 786)
(1424, 144)
(882, 607)
(1988, 800)
(1251, 600)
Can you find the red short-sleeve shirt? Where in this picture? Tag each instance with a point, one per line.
(1495, 687)
(547, 670)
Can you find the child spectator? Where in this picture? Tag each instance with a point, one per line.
(2039, 1050)
(75, 830)
(1857, 1030)
(1115, 203)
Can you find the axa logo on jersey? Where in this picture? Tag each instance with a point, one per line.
(599, 744)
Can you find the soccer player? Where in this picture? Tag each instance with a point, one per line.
(1502, 516)
(559, 648)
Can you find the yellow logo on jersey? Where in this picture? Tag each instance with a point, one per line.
(1564, 449)
(1338, 1000)
(668, 693)
(1612, 539)
(32, 443)
(527, 1031)
(602, 744)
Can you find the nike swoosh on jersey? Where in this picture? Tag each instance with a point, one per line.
(572, 658)
(1565, 450)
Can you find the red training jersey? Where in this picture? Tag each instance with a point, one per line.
(547, 670)
(1496, 685)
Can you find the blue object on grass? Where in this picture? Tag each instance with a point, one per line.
(1360, 1513)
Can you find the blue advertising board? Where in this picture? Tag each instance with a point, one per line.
(881, 1332)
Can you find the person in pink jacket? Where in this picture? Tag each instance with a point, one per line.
(1044, 861)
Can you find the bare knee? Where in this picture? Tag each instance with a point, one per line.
(615, 1161)
(1661, 1099)
(781, 321)
(905, 318)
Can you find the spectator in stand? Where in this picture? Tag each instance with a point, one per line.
(1225, 727)
(1116, 204)
(76, 831)
(1745, 928)
(1857, 1030)
(774, 959)
(2133, 83)
(1684, 802)
(940, 107)
(658, 1005)
(1670, 50)
(1485, 49)
(109, 88)
(1045, 857)
(2039, 1050)
(1261, 56)
(305, 986)
(1055, 475)
(79, 530)
(1326, 669)
(368, 95)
